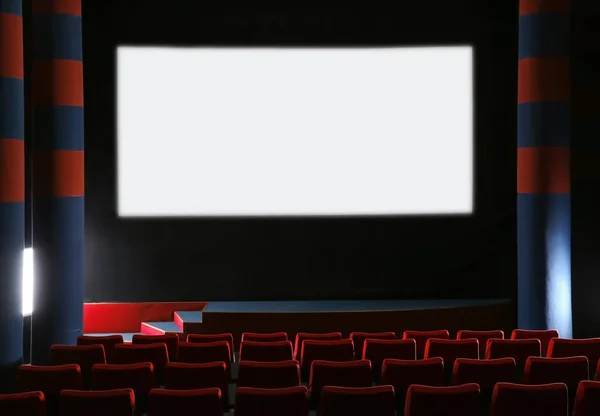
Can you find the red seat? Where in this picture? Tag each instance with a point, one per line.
(340, 374)
(289, 401)
(359, 401)
(377, 350)
(359, 340)
(138, 377)
(86, 356)
(266, 351)
(587, 401)
(303, 336)
(597, 377)
(522, 400)
(481, 336)
(205, 402)
(170, 340)
(50, 380)
(144, 353)
(21, 404)
(108, 342)
(274, 375)
(485, 373)
(208, 352)
(312, 350)
(421, 338)
(570, 371)
(460, 400)
(543, 335)
(210, 338)
(403, 373)
(518, 349)
(451, 349)
(264, 337)
(183, 376)
(120, 402)
(590, 348)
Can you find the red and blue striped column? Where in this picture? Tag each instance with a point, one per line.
(543, 167)
(12, 189)
(58, 174)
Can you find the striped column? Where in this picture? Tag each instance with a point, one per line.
(12, 188)
(58, 174)
(543, 172)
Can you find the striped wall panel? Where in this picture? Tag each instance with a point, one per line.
(58, 174)
(543, 167)
(12, 187)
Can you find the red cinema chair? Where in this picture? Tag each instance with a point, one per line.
(421, 338)
(522, 400)
(357, 401)
(120, 402)
(460, 400)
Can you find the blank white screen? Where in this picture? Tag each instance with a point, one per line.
(267, 131)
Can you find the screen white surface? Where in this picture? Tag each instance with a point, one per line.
(300, 132)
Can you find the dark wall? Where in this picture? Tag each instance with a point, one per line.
(252, 259)
(585, 159)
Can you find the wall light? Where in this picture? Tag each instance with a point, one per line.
(27, 281)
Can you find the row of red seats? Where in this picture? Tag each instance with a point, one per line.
(358, 338)
(398, 373)
(373, 349)
(508, 399)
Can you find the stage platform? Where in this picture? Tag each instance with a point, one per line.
(298, 316)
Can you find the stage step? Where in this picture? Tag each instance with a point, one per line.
(160, 328)
(127, 336)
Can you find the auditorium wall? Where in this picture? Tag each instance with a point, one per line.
(262, 259)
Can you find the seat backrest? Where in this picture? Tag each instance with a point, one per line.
(568, 370)
(30, 404)
(206, 402)
(120, 402)
(209, 338)
(183, 376)
(264, 336)
(337, 350)
(511, 399)
(207, 352)
(266, 351)
(403, 373)
(50, 380)
(518, 349)
(543, 335)
(451, 349)
(139, 377)
(377, 350)
(545, 370)
(587, 400)
(341, 374)
(107, 341)
(481, 336)
(342, 401)
(359, 340)
(273, 375)
(170, 340)
(486, 373)
(563, 347)
(156, 354)
(421, 338)
(303, 336)
(289, 401)
(86, 356)
(460, 400)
